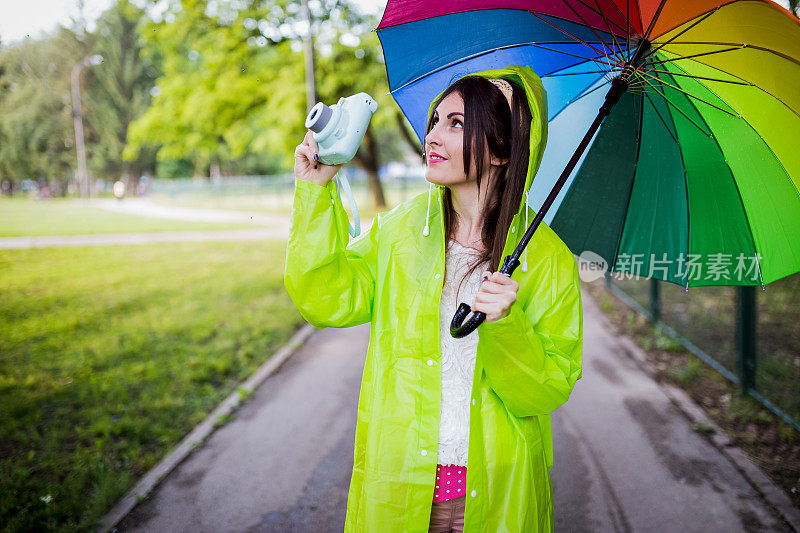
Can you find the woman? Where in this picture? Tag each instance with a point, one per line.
(429, 402)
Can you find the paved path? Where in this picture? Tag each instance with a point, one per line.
(144, 238)
(626, 459)
(147, 208)
(277, 226)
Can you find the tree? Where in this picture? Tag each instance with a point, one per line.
(233, 81)
(117, 92)
(35, 109)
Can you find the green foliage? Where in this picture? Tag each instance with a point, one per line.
(209, 88)
(36, 132)
(746, 410)
(117, 92)
(704, 428)
(111, 355)
(233, 80)
(36, 126)
(223, 419)
(667, 343)
(687, 373)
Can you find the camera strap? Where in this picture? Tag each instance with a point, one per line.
(342, 183)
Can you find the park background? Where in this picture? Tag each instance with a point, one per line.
(109, 355)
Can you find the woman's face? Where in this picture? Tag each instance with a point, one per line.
(444, 144)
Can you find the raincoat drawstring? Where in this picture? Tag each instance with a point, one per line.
(426, 230)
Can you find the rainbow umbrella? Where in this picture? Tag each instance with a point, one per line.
(690, 170)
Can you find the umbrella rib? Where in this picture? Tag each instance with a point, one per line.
(626, 31)
(679, 110)
(599, 11)
(653, 20)
(633, 179)
(774, 155)
(570, 35)
(608, 27)
(746, 83)
(695, 23)
(573, 73)
(484, 52)
(660, 61)
(734, 76)
(600, 62)
(628, 20)
(578, 98)
(585, 23)
(674, 138)
(739, 46)
(739, 193)
(736, 115)
(569, 54)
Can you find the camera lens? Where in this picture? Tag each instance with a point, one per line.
(319, 117)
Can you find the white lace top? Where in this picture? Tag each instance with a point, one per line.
(458, 355)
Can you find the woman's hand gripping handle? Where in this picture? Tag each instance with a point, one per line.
(497, 294)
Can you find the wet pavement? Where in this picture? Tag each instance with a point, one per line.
(626, 459)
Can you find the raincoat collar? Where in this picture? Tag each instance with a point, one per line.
(537, 102)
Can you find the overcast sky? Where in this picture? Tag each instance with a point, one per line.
(19, 18)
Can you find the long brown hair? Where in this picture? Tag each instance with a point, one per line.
(488, 122)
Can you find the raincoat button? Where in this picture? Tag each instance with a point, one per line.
(474, 493)
(430, 362)
(513, 229)
(424, 453)
(333, 202)
(473, 401)
(437, 276)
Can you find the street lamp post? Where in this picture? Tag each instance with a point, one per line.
(77, 120)
(308, 44)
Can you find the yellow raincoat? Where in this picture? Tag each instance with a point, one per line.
(526, 365)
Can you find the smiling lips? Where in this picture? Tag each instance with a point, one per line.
(433, 157)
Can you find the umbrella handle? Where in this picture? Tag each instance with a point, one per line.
(459, 328)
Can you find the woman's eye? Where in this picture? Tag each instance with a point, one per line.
(457, 123)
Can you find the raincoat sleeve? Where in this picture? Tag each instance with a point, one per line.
(331, 282)
(533, 355)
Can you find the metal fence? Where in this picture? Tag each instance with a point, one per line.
(748, 334)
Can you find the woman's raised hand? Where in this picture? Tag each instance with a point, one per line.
(307, 165)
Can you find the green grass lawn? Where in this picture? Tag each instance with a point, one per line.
(24, 218)
(110, 355)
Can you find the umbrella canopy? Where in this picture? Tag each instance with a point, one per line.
(694, 176)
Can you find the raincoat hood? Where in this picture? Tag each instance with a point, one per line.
(537, 102)
(526, 363)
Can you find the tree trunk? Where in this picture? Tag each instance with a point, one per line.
(129, 178)
(368, 160)
(376, 189)
(408, 135)
(214, 170)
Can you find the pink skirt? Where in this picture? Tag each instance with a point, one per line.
(451, 482)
